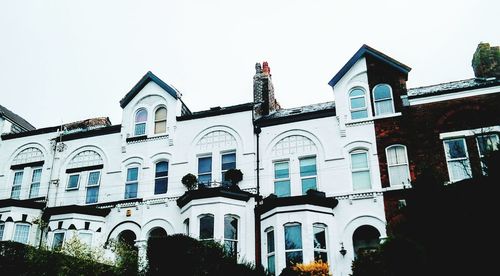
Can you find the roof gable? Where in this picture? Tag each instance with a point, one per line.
(367, 50)
(16, 119)
(143, 82)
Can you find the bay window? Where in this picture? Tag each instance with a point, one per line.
(57, 241)
(207, 227)
(231, 235)
(271, 265)
(293, 244)
(319, 238)
(21, 233)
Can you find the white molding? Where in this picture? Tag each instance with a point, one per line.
(468, 132)
(456, 95)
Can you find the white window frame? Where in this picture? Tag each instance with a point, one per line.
(301, 249)
(94, 185)
(77, 184)
(86, 232)
(158, 121)
(211, 173)
(161, 177)
(375, 100)
(289, 179)
(273, 253)
(310, 176)
(31, 181)
(407, 164)
(15, 230)
(368, 169)
(145, 122)
(359, 108)
(213, 227)
(237, 232)
(221, 158)
(321, 250)
(466, 159)
(54, 237)
(481, 156)
(132, 181)
(20, 185)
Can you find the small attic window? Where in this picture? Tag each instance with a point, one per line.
(141, 117)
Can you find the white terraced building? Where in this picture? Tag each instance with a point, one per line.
(102, 181)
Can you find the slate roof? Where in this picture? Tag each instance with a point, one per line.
(367, 50)
(451, 87)
(216, 111)
(298, 114)
(16, 119)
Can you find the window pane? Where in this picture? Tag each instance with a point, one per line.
(361, 180)
(37, 174)
(228, 161)
(293, 237)
(161, 114)
(356, 92)
(396, 155)
(358, 103)
(398, 175)
(160, 127)
(92, 195)
(270, 242)
(206, 227)
(282, 188)
(94, 178)
(161, 186)
(281, 170)
(231, 247)
(319, 238)
(270, 265)
(18, 178)
(487, 143)
(293, 258)
(359, 114)
(73, 181)
(161, 169)
(2, 227)
(359, 160)
(459, 170)
(132, 174)
(382, 92)
(58, 240)
(131, 190)
(230, 228)
(16, 192)
(308, 184)
(34, 189)
(320, 255)
(205, 178)
(455, 148)
(21, 233)
(140, 129)
(308, 166)
(141, 116)
(204, 165)
(383, 107)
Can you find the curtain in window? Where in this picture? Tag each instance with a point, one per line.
(398, 165)
(21, 233)
(161, 120)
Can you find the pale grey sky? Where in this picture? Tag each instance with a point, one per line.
(72, 60)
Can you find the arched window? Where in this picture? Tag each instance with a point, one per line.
(161, 120)
(319, 238)
(207, 227)
(141, 117)
(357, 104)
(360, 169)
(397, 163)
(293, 243)
(382, 99)
(231, 234)
(365, 238)
(161, 178)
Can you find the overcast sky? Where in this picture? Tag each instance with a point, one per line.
(62, 61)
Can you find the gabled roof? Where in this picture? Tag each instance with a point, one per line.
(367, 50)
(16, 119)
(451, 87)
(143, 82)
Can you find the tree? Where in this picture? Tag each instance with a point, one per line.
(486, 61)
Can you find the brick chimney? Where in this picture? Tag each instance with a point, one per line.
(263, 91)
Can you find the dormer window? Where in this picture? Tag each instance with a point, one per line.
(357, 103)
(382, 99)
(141, 118)
(161, 120)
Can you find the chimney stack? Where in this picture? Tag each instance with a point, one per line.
(263, 91)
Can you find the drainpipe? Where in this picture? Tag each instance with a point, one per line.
(257, 131)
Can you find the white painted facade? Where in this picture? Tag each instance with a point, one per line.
(329, 139)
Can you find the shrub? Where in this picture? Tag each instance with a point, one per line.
(190, 181)
(234, 176)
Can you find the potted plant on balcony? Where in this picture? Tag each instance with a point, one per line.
(190, 181)
(233, 177)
